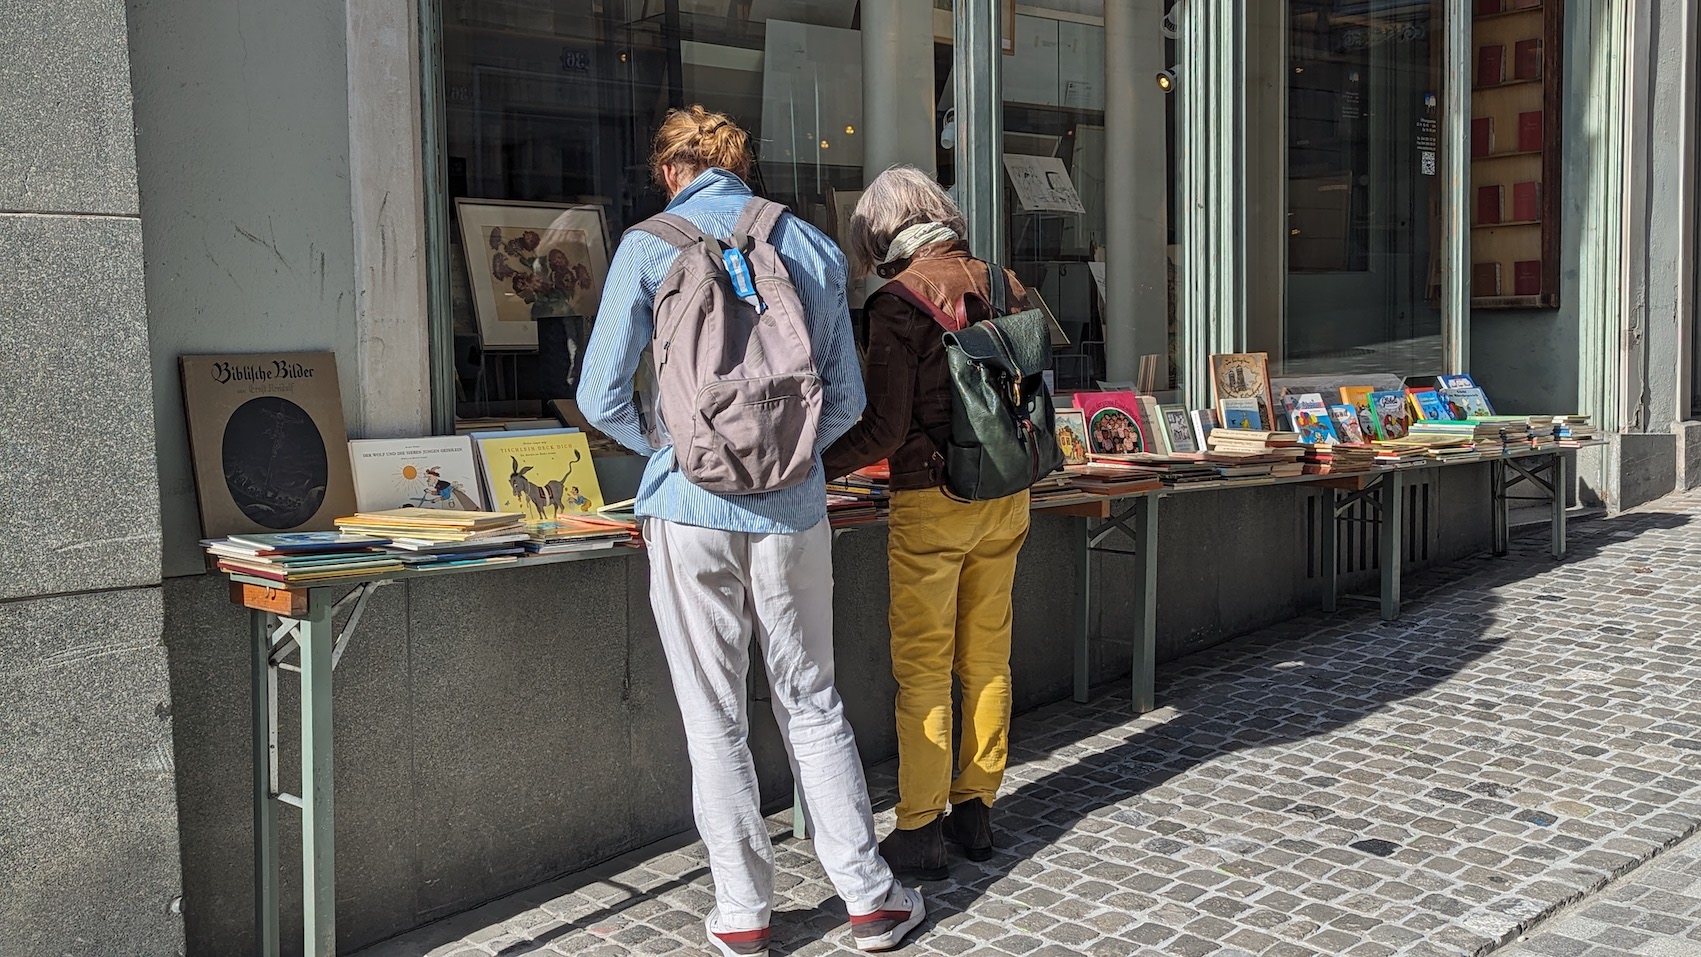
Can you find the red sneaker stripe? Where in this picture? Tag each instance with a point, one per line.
(743, 936)
(897, 915)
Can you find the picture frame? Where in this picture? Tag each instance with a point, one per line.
(506, 241)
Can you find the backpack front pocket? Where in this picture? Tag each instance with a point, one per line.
(754, 434)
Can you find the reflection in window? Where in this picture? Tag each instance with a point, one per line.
(1363, 187)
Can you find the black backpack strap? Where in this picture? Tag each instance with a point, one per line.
(998, 284)
(676, 231)
(757, 220)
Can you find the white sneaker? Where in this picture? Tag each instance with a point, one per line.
(896, 916)
(735, 943)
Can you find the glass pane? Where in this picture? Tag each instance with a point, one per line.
(1364, 194)
(1056, 173)
(553, 104)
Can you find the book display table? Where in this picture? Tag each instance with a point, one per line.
(292, 630)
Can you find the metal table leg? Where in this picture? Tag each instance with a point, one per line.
(1561, 485)
(1083, 608)
(1145, 603)
(1326, 551)
(1500, 506)
(1392, 548)
(318, 832)
(264, 704)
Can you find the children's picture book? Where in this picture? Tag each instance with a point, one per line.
(1467, 403)
(267, 441)
(1390, 414)
(1204, 420)
(1113, 422)
(1315, 428)
(1458, 381)
(1428, 406)
(1152, 426)
(543, 474)
(1071, 425)
(1244, 375)
(433, 472)
(1241, 414)
(1179, 428)
(1358, 396)
(1346, 423)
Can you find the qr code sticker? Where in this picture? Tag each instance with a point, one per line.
(1429, 162)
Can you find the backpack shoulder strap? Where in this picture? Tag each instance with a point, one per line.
(998, 285)
(758, 219)
(675, 230)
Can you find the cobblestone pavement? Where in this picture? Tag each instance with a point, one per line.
(1339, 786)
(1655, 912)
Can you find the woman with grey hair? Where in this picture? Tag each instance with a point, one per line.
(952, 562)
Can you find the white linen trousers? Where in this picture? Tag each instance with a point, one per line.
(712, 591)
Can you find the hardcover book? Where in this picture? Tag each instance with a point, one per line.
(1467, 403)
(541, 475)
(1485, 279)
(1456, 381)
(1244, 375)
(1113, 422)
(1490, 200)
(267, 442)
(1527, 59)
(1427, 405)
(1346, 423)
(1527, 278)
(1071, 426)
(1526, 202)
(1204, 420)
(1487, 7)
(1530, 126)
(1152, 426)
(432, 472)
(1358, 397)
(1391, 415)
(1314, 427)
(1240, 414)
(1491, 65)
(1179, 429)
(1482, 136)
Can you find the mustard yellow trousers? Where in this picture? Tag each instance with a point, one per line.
(952, 567)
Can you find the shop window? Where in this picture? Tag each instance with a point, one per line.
(1364, 188)
(549, 109)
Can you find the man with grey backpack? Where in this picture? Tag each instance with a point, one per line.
(736, 310)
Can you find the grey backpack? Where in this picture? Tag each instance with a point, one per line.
(736, 388)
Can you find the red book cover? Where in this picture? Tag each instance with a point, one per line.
(1527, 60)
(1485, 279)
(1526, 202)
(1486, 7)
(1527, 278)
(1491, 65)
(1530, 132)
(1490, 201)
(1482, 135)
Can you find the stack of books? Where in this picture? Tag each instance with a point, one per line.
(428, 539)
(1182, 468)
(1055, 485)
(1251, 453)
(301, 558)
(1424, 450)
(1519, 432)
(845, 511)
(1484, 435)
(1571, 431)
(579, 533)
(1339, 459)
(1113, 478)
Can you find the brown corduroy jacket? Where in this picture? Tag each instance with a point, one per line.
(908, 418)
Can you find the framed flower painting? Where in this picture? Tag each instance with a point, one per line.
(529, 261)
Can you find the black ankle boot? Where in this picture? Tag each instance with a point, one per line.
(970, 824)
(918, 853)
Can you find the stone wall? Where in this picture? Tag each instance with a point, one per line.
(88, 817)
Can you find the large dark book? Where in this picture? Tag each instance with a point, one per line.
(1491, 65)
(1527, 59)
(1526, 202)
(1491, 201)
(1530, 127)
(1485, 279)
(1527, 277)
(1482, 135)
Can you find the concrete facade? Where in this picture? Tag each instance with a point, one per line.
(88, 815)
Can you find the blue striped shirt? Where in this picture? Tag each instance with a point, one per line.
(626, 323)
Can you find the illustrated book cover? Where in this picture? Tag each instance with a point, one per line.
(1466, 403)
(1244, 375)
(542, 475)
(1240, 414)
(1113, 422)
(267, 442)
(1152, 426)
(431, 472)
(1391, 414)
(1204, 420)
(1071, 427)
(1179, 428)
(1428, 406)
(1314, 427)
(1347, 424)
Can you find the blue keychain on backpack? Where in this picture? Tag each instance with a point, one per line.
(738, 269)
